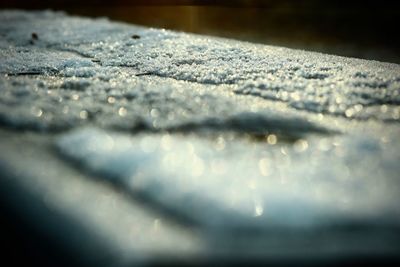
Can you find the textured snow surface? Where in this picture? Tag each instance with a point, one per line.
(95, 59)
(230, 135)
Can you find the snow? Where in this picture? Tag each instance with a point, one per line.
(230, 135)
(114, 64)
(230, 184)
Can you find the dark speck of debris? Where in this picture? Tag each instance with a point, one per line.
(135, 36)
(35, 36)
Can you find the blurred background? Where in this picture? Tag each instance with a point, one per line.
(364, 29)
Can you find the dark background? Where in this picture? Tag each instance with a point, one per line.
(364, 29)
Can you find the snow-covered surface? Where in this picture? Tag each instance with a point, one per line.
(93, 60)
(230, 135)
(231, 183)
